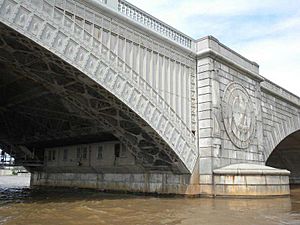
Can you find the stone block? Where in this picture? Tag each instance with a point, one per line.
(206, 179)
(232, 154)
(205, 142)
(204, 82)
(203, 68)
(241, 155)
(224, 68)
(139, 178)
(204, 114)
(204, 90)
(225, 161)
(155, 178)
(204, 98)
(205, 133)
(206, 123)
(273, 180)
(206, 190)
(203, 61)
(249, 156)
(205, 151)
(235, 180)
(219, 180)
(205, 165)
(225, 80)
(173, 179)
(284, 180)
(204, 106)
(228, 144)
(256, 180)
(203, 74)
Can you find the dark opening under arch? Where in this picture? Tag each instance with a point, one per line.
(286, 155)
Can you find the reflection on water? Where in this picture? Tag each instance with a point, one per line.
(22, 205)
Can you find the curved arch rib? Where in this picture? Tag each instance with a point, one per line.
(76, 46)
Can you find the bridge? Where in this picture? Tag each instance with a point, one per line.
(100, 94)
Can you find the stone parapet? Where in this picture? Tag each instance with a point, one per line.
(210, 46)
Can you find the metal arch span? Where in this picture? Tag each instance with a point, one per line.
(51, 28)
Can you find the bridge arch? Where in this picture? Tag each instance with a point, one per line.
(286, 155)
(280, 132)
(55, 33)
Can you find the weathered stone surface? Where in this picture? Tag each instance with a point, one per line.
(144, 183)
(248, 169)
(250, 180)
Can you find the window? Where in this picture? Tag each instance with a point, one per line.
(117, 150)
(100, 152)
(123, 151)
(78, 153)
(84, 153)
(53, 155)
(65, 156)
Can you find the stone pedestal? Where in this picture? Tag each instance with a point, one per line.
(251, 180)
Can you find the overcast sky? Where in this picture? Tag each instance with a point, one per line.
(264, 31)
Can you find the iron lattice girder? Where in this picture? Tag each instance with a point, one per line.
(23, 97)
(86, 60)
(82, 101)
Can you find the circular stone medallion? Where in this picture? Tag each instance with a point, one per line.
(238, 115)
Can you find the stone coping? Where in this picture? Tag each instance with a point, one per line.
(250, 169)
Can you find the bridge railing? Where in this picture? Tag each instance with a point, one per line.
(154, 24)
(280, 92)
(150, 22)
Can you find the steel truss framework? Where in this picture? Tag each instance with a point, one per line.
(46, 98)
(59, 102)
(82, 86)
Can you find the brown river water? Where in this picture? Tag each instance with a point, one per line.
(20, 204)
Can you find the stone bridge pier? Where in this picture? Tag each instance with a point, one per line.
(100, 94)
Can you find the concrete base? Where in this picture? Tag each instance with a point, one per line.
(140, 183)
(235, 180)
(251, 180)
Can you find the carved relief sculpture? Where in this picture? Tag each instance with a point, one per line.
(238, 114)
